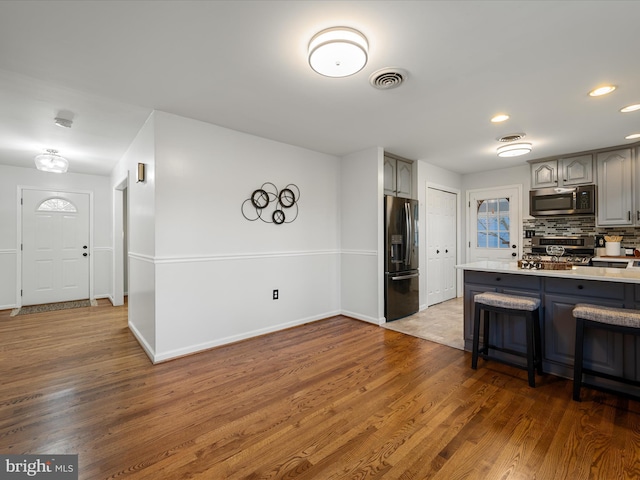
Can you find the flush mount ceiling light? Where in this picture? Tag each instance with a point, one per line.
(51, 162)
(632, 136)
(338, 52)
(630, 108)
(603, 90)
(501, 117)
(514, 149)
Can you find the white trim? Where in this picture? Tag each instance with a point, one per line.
(20, 189)
(364, 318)
(227, 257)
(143, 343)
(180, 352)
(371, 253)
(8, 251)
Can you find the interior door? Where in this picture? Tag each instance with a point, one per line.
(55, 246)
(441, 245)
(494, 231)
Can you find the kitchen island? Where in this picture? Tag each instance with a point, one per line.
(559, 291)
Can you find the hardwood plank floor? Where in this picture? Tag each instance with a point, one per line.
(335, 399)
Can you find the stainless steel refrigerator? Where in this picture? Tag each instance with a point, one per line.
(401, 294)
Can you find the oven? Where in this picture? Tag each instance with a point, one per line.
(577, 250)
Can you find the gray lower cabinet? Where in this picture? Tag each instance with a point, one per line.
(611, 353)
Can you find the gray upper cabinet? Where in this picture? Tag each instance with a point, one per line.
(615, 188)
(398, 177)
(577, 170)
(559, 172)
(389, 176)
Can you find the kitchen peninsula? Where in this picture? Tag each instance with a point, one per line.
(559, 291)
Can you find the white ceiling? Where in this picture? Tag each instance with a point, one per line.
(243, 65)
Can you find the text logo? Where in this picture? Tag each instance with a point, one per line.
(46, 467)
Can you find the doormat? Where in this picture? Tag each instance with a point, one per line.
(50, 307)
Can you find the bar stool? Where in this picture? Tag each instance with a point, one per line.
(621, 320)
(526, 307)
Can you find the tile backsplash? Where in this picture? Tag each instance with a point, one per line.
(570, 226)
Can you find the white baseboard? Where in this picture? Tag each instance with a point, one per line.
(181, 352)
(364, 318)
(143, 343)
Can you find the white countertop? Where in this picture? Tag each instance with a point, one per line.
(623, 275)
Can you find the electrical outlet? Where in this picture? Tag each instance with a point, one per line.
(275, 294)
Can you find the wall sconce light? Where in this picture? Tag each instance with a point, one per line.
(140, 173)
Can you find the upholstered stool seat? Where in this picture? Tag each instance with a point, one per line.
(621, 320)
(512, 305)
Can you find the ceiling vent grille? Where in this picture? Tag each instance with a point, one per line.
(512, 137)
(387, 78)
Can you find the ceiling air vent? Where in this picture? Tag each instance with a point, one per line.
(387, 78)
(511, 137)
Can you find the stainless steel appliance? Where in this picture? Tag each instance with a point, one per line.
(580, 200)
(578, 250)
(401, 294)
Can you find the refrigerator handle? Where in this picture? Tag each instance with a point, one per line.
(407, 241)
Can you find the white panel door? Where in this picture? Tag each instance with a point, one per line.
(55, 247)
(494, 224)
(441, 245)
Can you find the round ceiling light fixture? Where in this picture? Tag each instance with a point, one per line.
(338, 52)
(501, 117)
(51, 162)
(514, 149)
(603, 90)
(630, 108)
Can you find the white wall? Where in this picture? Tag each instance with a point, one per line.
(141, 232)
(362, 242)
(11, 178)
(215, 270)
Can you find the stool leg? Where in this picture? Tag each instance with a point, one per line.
(485, 333)
(537, 336)
(577, 365)
(530, 352)
(476, 336)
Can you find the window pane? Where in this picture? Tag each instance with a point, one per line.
(482, 240)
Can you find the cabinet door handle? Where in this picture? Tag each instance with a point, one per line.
(638, 215)
(580, 287)
(498, 279)
(629, 215)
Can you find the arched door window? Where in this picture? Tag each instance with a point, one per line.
(56, 205)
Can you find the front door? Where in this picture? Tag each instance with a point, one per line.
(55, 246)
(494, 224)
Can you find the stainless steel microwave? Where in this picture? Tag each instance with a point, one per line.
(580, 200)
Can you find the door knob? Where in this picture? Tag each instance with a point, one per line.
(84, 246)
(514, 246)
(514, 254)
(446, 251)
(85, 254)
(437, 251)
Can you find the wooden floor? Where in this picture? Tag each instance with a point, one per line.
(336, 399)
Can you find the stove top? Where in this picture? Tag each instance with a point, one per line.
(578, 250)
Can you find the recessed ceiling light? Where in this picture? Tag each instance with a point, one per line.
(603, 90)
(630, 108)
(501, 117)
(632, 136)
(338, 52)
(514, 149)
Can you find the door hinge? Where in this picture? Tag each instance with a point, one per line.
(469, 244)
(20, 292)
(21, 247)
(21, 201)
(469, 203)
